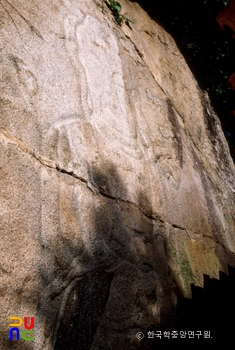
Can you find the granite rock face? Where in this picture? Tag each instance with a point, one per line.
(117, 187)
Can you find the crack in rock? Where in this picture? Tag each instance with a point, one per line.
(94, 188)
(40, 159)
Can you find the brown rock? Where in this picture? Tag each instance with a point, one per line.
(117, 186)
(226, 17)
(232, 81)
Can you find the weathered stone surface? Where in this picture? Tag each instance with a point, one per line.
(117, 187)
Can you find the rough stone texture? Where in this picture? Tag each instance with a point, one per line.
(117, 187)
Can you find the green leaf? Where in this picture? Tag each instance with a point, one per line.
(115, 5)
(127, 21)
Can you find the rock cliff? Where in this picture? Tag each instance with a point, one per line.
(117, 186)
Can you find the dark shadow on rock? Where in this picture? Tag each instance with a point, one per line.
(208, 316)
(213, 306)
(122, 284)
(128, 287)
(14, 344)
(84, 307)
(84, 300)
(172, 117)
(121, 230)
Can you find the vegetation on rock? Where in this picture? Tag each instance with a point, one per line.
(116, 8)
